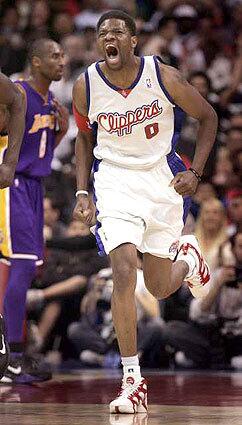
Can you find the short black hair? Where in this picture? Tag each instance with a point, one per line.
(203, 75)
(38, 48)
(164, 20)
(119, 14)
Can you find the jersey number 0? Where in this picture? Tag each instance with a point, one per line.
(151, 130)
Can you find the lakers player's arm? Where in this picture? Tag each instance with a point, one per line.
(15, 103)
(84, 152)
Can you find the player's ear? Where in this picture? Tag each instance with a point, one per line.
(36, 61)
(134, 41)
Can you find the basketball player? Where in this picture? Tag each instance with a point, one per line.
(12, 110)
(135, 107)
(21, 221)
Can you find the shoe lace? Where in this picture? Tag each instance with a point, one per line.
(129, 389)
(126, 388)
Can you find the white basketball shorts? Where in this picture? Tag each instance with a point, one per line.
(138, 207)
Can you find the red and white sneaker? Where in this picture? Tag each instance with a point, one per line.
(132, 397)
(199, 276)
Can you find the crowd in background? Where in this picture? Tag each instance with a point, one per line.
(69, 315)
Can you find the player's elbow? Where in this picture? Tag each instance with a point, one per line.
(210, 116)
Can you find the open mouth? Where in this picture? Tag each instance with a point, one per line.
(112, 52)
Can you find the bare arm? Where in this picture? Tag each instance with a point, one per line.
(149, 304)
(223, 275)
(84, 154)
(62, 116)
(65, 287)
(15, 102)
(188, 98)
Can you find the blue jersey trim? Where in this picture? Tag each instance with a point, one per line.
(179, 116)
(167, 94)
(176, 165)
(101, 249)
(112, 86)
(87, 90)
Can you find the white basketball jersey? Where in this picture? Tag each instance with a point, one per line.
(135, 127)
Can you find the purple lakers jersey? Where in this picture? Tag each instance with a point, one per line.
(39, 137)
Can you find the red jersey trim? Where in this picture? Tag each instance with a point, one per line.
(82, 122)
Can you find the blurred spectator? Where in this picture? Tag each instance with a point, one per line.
(223, 169)
(51, 299)
(205, 191)
(233, 139)
(90, 14)
(73, 254)
(187, 142)
(38, 24)
(53, 227)
(93, 336)
(211, 230)
(13, 50)
(62, 25)
(161, 44)
(234, 201)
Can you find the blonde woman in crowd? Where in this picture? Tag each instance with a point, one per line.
(211, 230)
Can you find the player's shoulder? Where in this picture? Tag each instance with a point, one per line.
(170, 73)
(19, 84)
(80, 83)
(79, 93)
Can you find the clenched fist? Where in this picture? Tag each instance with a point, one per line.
(185, 183)
(84, 209)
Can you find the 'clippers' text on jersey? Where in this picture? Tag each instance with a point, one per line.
(123, 124)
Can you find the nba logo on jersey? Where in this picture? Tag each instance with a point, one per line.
(148, 82)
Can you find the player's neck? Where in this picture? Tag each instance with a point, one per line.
(124, 77)
(40, 85)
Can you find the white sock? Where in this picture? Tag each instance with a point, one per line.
(190, 260)
(131, 366)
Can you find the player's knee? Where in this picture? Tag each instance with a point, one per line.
(124, 277)
(158, 290)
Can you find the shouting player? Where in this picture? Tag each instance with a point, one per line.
(135, 107)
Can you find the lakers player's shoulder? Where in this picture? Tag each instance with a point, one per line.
(79, 94)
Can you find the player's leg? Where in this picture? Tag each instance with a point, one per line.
(21, 238)
(4, 348)
(124, 266)
(119, 238)
(4, 272)
(133, 395)
(22, 272)
(120, 230)
(163, 276)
